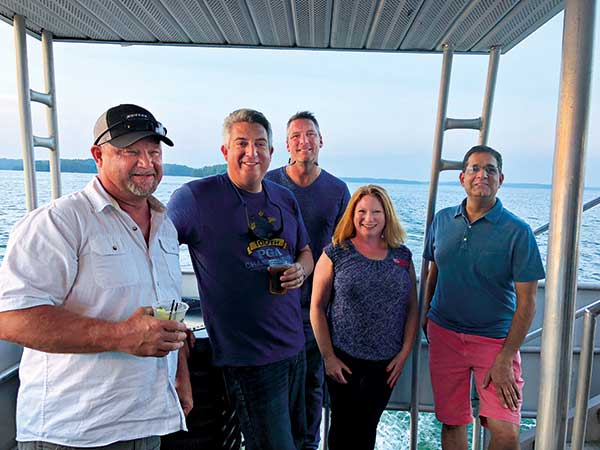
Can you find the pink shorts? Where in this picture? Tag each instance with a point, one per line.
(452, 357)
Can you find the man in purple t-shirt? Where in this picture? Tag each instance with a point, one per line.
(236, 225)
(322, 199)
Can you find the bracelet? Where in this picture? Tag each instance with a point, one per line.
(304, 275)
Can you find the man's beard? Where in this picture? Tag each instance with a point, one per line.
(139, 191)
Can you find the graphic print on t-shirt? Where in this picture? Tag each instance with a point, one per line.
(265, 243)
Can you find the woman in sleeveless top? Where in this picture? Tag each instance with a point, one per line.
(364, 315)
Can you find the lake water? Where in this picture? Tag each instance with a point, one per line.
(410, 201)
(531, 204)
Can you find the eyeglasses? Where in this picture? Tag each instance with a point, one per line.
(261, 227)
(489, 169)
(130, 124)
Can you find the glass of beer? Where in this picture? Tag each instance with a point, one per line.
(276, 269)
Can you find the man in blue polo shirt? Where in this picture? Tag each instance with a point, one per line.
(480, 301)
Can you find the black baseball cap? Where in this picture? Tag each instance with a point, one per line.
(124, 125)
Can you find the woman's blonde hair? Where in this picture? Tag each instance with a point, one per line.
(393, 233)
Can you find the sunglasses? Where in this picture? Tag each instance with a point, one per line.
(261, 227)
(130, 124)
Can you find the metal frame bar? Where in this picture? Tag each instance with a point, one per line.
(436, 167)
(488, 98)
(579, 313)
(438, 164)
(479, 433)
(463, 124)
(48, 98)
(563, 241)
(51, 113)
(25, 113)
(584, 377)
(9, 373)
(588, 205)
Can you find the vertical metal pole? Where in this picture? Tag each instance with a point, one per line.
(477, 435)
(326, 419)
(484, 132)
(433, 186)
(565, 220)
(488, 100)
(51, 112)
(583, 381)
(25, 113)
(476, 432)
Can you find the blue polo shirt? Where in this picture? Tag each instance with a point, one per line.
(478, 264)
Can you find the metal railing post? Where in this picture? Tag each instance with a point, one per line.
(584, 381)
(51, 112)
(436, 166)
(488, 99)
(563, 241)
(25, 113)
(477, 430)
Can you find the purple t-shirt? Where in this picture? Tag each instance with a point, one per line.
(322, 203)
(369, 301)
(246, 324)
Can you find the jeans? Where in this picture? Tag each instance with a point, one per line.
(148, 443)
(269, 402)
(357, 406)
(314, 395)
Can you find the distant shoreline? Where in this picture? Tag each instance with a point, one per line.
(178, 170)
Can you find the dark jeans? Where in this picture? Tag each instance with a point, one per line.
(314, 395)
(269, 402)
(149, 443)
(357, 406)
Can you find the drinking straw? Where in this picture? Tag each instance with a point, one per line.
(175, 312)
(171, 310)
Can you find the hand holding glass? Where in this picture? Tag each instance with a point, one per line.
(173, 311)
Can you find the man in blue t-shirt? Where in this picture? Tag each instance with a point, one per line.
(237, 226)
(322, 199)
(479, 302)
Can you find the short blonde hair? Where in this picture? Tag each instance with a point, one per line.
(393, 233)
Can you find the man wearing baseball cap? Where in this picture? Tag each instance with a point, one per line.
(76, 285)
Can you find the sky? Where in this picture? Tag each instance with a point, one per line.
(376, 111)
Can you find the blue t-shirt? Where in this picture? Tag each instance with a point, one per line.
(322, 203)
(369, 301)
(478, 264)
(246, 324)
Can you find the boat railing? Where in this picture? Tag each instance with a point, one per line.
(585, 375)
(9, 374)
(586, 206)
(589, 313)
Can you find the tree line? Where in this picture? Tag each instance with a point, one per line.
(89, 166)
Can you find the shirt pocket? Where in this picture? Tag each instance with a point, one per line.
(112, 263)
(170, 253)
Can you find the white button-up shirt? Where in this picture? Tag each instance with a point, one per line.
(82, 252)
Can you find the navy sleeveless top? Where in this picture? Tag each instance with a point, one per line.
(369, 301)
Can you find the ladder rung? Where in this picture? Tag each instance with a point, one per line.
(47, 142)
(41, 97)
(469, 124)
(451, 165)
